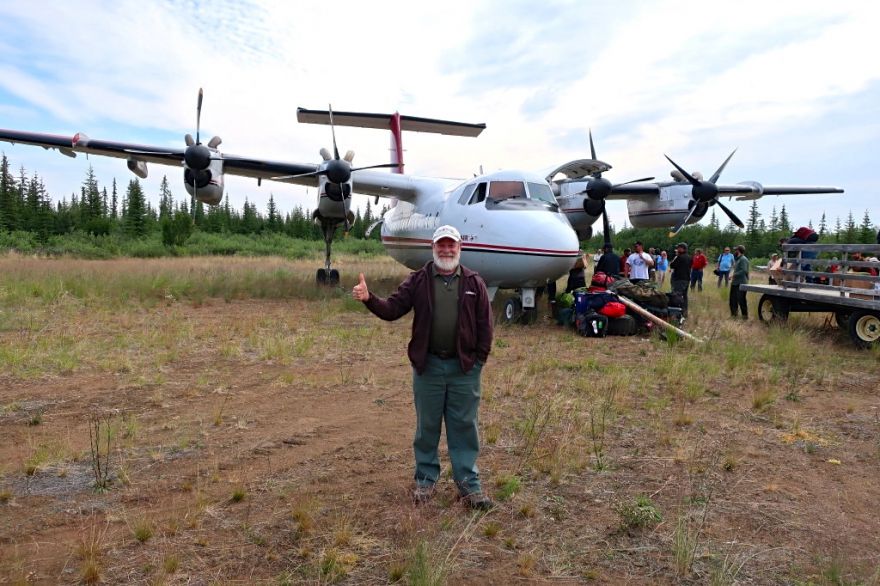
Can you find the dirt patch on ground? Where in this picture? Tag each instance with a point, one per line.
(235, 460)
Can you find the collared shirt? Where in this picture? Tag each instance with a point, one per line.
(444, 318)
(474, 333)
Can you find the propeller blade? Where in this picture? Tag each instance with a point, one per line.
(199, 114)
(333, 132)
(634, 181)
(685, 221)
(687, 175)
(592, 148)
(717, 173)
(383, 166)
(730, 214)
(606, 227)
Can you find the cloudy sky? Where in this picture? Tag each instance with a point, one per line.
(794, 85)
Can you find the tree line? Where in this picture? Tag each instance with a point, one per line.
(25, 205)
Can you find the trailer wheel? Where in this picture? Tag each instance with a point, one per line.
(772, 310)
(842, 319)
(864, 328)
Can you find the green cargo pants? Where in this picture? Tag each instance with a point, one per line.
(444, 392)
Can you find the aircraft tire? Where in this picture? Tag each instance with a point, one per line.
(333, 277)
(512, 312)
(321, 277)
(864, 328)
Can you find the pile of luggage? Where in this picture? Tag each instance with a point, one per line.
(597, 310)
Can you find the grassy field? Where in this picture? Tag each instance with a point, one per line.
(221, 420)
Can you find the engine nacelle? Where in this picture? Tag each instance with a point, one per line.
(206, 185)
(139, 168)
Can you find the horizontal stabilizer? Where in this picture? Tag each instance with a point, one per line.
(383, 121)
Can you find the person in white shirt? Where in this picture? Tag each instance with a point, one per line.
(638, 264)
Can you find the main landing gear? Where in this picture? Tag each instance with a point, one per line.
(327, 276)
(521, 308)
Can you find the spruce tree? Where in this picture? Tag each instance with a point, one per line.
(135, 220)
(866, 230)
(823, 227)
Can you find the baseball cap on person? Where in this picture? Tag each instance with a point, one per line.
(682, 245)
(446, 231)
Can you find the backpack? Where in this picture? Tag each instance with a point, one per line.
(601, 280)
(596, 300)
(806, 234)
(591, 325)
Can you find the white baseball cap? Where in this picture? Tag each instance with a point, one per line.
(446, 231)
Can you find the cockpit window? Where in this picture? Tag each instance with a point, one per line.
(479, 194)
(541, 192)
(501, 190)
(466, 194)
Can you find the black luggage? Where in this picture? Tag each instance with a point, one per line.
(622, 326)
(591, 325)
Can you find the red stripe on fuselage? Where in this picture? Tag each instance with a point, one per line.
(477, 245)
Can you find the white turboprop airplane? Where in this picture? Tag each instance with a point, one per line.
(513, 232)
(685, 200)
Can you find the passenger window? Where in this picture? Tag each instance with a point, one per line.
(468, 192)
(501, 190)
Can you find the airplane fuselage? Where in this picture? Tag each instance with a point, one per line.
(513, 233)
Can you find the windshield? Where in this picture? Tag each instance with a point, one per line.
(541, 192)
(501, 190)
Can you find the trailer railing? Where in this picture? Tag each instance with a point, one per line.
(847, 271)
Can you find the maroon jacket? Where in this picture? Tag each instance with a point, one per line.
(474, 331)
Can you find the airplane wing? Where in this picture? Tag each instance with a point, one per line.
(643, 191)
(748, 190)
(383, 184)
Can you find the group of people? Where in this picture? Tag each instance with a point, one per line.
(686, 271)
(653, 265)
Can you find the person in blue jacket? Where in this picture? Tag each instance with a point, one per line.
(724, 264)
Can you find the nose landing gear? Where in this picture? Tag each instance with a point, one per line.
(521, 308)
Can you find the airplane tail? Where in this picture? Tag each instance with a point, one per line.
(396, 123)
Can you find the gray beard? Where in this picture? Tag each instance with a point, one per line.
(447, 264)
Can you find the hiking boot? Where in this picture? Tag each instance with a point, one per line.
(477, 501)
(422, 493)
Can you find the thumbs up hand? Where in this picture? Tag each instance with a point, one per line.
(360, 291)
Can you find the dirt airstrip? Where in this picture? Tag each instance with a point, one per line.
(268, 441)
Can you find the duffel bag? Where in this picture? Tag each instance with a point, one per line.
(622, 326)
(613, 309)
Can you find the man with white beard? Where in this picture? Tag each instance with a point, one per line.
(450, 343)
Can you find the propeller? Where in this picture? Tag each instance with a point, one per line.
(598, 189)
(704, 192)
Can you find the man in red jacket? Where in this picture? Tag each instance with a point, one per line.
(698, 263)
(450, 343)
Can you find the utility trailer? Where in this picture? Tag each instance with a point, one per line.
(832, 283)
